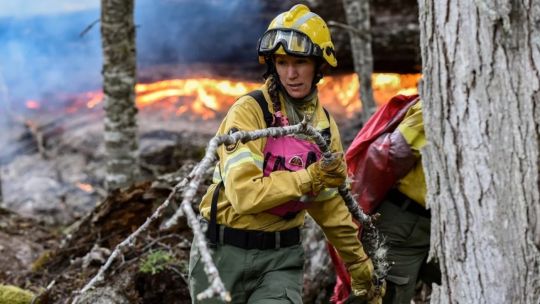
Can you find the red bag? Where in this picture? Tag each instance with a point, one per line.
(369, 160)
(374, 171)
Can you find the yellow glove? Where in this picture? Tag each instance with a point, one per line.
(362, 286)
(361, 278)
(329, 174)
(376, 294)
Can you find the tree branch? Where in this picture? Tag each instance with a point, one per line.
(192, 183)
(89, 27)
(363, 35)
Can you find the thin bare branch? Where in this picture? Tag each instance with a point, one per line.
(130, 240)
(89, 27)
(349, 28)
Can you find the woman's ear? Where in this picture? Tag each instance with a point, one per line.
(324, 68)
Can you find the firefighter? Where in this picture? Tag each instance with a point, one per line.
(404, 219)
(262, 189)
(385, 163)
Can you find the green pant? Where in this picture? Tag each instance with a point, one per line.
(252, 276)
(407, 235)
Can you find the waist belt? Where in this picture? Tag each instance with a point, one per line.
(406, 203)
(253, 239)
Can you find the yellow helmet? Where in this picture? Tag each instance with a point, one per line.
(297, 32)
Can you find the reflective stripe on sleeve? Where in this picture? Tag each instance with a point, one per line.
(216, 177)
(239, 157)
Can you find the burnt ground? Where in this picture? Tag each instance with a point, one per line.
(58, 226)
(153, 270)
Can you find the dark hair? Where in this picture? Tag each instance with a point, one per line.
(273, 86)
(273, 91)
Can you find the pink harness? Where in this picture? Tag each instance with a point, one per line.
(282, 153)
(291, 154)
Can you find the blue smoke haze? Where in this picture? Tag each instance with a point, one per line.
(45, 54)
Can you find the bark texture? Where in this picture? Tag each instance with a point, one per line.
(119, 79)
(357, 14)
(481, 109)
(1, 197)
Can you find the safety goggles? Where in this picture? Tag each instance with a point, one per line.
(294, 43)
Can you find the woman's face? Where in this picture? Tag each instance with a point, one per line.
(296, 74)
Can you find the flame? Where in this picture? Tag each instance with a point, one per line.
(95, 99)
(341, 94)
(207, 97)
(32, 104)
(85, 187)
(201, 96)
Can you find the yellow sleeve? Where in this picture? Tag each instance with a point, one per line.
(241, 166)
(335, 145)
(336, 222)
(412, 128)
(333, 216)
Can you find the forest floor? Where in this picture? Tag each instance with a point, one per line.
(153, 270)
(58, 225)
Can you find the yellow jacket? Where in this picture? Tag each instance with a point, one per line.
(412, 129)
(247, 194)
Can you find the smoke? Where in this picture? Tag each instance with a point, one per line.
(45, 54)
(198, 31)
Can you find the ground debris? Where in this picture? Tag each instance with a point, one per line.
(22, 240)
(70, 261)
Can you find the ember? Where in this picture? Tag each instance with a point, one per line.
(85, 187)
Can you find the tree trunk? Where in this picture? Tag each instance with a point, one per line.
(481, 95)
(1, 196)
(357, 15)
(119, 78)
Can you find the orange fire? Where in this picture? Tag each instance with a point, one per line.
(206, 97)
(201, 96)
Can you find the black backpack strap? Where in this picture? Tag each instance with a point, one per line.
(259, 97)
(212, 232)
(326, 132)
(327, 114)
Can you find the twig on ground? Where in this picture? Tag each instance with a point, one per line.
(156, 241)
(130, 240)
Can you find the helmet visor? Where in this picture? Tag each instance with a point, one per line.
(294, 43)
